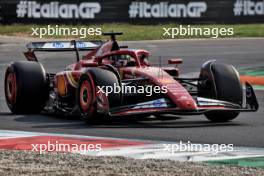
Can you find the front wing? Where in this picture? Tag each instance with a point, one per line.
(163, 106)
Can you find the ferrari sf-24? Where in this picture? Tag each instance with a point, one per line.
(217, 92)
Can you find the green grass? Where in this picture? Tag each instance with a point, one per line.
(243, 162)
(252, 71)
(137, 32)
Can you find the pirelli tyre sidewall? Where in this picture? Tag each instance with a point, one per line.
(224, 84)
(26, 87)
(87, 97)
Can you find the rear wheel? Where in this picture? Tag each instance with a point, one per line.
(26, 88)
(224, 84)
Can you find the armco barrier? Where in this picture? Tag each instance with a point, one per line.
(132, 11)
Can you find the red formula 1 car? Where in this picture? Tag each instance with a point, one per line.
(112, 80)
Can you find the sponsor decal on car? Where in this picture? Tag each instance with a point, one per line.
(159, 103)
(57, 45)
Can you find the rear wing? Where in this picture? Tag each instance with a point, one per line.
(60, 46)
(63, 45)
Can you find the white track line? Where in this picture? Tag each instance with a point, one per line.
(152, 149)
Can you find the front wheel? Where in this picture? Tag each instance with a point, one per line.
(222, 83)
(86, 97)
(93, 104)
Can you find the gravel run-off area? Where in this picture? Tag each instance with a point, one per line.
(33, 163)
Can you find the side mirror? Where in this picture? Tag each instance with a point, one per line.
(175, 61)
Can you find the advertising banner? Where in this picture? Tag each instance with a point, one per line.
(132, 11)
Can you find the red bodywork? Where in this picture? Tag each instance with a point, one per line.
(65, 82)
(176, 92)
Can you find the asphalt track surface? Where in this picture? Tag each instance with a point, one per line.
(246, 130)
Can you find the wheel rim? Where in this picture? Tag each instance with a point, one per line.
(11, 88)
(85, 96)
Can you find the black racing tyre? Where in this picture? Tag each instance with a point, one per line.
(87, 96)
(26, 87)
(227, 87)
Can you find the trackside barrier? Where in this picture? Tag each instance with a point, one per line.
(132, 11)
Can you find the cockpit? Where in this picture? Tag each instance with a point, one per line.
(122, 60)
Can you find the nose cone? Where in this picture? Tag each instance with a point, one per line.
(175, 91)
